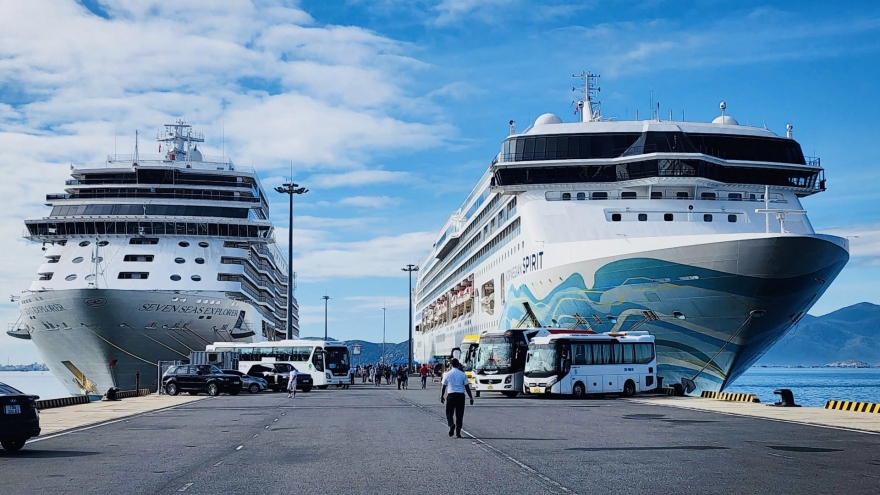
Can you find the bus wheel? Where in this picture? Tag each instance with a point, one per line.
(629, 389)
(578, 391)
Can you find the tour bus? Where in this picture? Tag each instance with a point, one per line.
(466, 354)
(500, 360)
(327, 361)
(579, 364)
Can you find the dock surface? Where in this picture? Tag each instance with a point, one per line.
(381, 440)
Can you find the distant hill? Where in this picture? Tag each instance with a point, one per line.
(848, 334)
(372, 352)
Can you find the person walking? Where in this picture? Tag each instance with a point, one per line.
(387, 375)
(291, 384)
(394, 374)
(402, 377)
(454, 385)
(423, 374)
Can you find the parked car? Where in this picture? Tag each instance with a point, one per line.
(252, 384)
(19, 418)
(277, 375)
(199, 378)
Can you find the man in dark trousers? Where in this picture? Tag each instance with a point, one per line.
(455, 384)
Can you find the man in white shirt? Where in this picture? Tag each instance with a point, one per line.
(291, 384)
(455, 384)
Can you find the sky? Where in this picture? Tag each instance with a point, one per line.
(390, 111)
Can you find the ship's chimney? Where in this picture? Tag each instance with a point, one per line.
(788, 129)
(512, 127)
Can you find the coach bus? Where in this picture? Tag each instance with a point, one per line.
(328, 362)
(581, 364)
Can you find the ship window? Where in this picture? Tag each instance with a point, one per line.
(138, 257)
(90, 277)
(78, 259)
(656, 194)
(682, 195)
(196, 278)
(751, 197)
(628, 195)
(70, 277)
(731, 218)
(643, 217)
(103, 243)
(176, 278)
(599, 195)
(200, 261)
(179, 261)
(133, 275)
(667, 217)
(707, 217)
(143, 240)
(566, 196)
(183, 243)
(615, 217)
(84, 243)
(203, 244)
(735, 196)
(46, 276)
(581, 196)
(708, 196)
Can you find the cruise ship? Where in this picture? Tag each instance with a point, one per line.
(148, 258)
(692, 231)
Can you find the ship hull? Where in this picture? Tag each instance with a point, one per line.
(93, 339)
(696, 299)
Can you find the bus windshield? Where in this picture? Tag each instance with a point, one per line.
(469, 357)
(541, 361)
(337, 359)
(494, 354)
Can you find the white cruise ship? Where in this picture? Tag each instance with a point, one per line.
(692, 231)
(148, 258)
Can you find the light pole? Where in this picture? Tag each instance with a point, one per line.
(383, 335)
(410, 268)
(290, 189)
(325, 298)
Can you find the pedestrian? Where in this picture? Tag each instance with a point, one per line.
(455, 384)
(394, 373)
(423, 374)
(364, 374)
(402, 377)
(291, 384)
(387, 375)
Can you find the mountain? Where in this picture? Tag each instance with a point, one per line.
(371, 353)
(848, 334)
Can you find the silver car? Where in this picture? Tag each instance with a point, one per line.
(252, 384)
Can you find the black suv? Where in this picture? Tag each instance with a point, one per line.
(277, 375)
(198, 378)
(19, 419)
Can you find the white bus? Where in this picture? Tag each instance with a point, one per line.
(328, 362)
(500, 360)
(581, 364)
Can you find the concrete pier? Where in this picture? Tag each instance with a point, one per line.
(381, 440)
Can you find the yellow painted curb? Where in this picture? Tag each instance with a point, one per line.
(729, 396)
(846, 405)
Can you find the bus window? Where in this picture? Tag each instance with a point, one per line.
(644, 353)
(602, 354)
(318, 359)
(629, 354)
(300, 353)
(337, 358)
(579, 357)
(261, 353)
(617, 356)
(282, 353)
(589, 354)
(246, 354)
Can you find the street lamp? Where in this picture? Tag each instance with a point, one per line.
(290, 189)
(410, 268)
(325, 298)
(383, 335)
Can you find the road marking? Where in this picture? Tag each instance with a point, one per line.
(267, 427)
(276, 419)
(779, 455)
(218, 463)
(239, 447)
(184, 487)
(255, 435)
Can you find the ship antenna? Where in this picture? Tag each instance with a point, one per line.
(590, 99)
(135, 147)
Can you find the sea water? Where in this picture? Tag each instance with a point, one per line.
(811, 386)
(42, 383)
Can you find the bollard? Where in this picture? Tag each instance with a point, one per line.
(137, 381)
(112, 393)
(787, 398)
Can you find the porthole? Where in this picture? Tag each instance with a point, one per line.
(90, 277)
(179, 261)
(183, 244)
(731, 218)
(78, 259)
(643, 217)
(196, 278)
(99, 259)
(103, 243)
(615, 217)
(84, 243)
(176, 278)
(667, 217)
(70, 277)
(200, 261)
(203, 244)
(707, 217)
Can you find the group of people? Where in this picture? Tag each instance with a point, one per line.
(376, 373)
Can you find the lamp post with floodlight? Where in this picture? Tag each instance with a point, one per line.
(410, 268)
(290, 189)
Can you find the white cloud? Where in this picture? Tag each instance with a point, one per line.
(370, 201)
(358, 178)
(378, 302)
(864, 242)
(450, 11)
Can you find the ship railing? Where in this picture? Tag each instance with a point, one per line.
(221, 163)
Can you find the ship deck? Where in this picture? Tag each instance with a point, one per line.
(374, 440)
